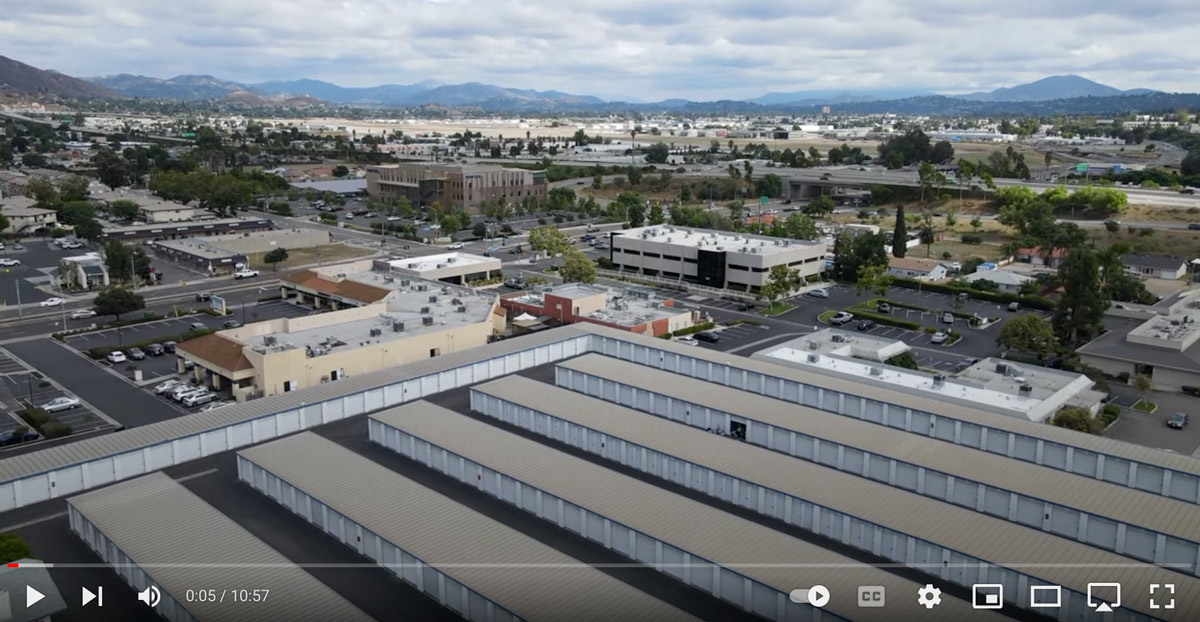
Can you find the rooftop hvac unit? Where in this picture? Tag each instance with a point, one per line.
(939, 380)
(1025, 390)
(840, 338)
(814, 358)
(813, 345)
(424, 309)
(404, 283)
(875, 371)
(269, 340)
(433, 299)
(441, 265)
(462, 309)
(397, 327)
(412, 266)
(375, 332)
(455, 301)
(427, 321)
(422, 288)
(446, 291)
(388, 279)
(451, 259)
(1001, 368)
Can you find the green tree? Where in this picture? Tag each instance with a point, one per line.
(781, 281)
(12, 548)
(1027, 333)
(560, 198)
(800, 227)
(276, 256)
(1191, 163)
(657, 153)
(942, 151)
(1074, 418)
(123, 209)
(1079, 314)
(976, 223)
(576, 267)
(340, 171)
(819, 206)
(117, 301)
(118, 258)
(900, 235)
(656, 215)
(634, 174)
(111, 168)
(73, 188)
(43, 191)
(1142, 384)
(874, 279)
(931, 180)
(549, 239)
(928, 232)
(769, 185)
(852, 253)
(89, 229)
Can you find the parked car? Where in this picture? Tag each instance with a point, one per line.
(137, 354)
(1178, 421)
(183, 391)
(393, 218)
(686, 340)
(819, 293)
(866, 324)
(1014, 306)
(116, 356)
(196, 399)
(1194, 225)
(939, 337)
(73, 245)
(455, 246)
(947, 318)
(52, 302)
(745, 306)
(1187, 191)
(707, 336)
(12, 438)
(883, 307)
(82, 314)
(587, 237)
(197, 326)
(169, 347)
(231, 324)
(155, 349)
(841, 317)
(60, 403)
(601, 246)
(203, 296)
(349, 215)
(515, 283)
(167, 385)
(18, 247)
(245, 273)
(8, 263)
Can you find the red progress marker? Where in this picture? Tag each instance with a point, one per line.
(12, 564)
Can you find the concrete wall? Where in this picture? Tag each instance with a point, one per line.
(261, 241)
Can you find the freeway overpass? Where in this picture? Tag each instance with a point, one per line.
(93, 131)
(812, 182)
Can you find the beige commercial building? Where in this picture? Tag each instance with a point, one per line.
(454, 185)
(714, 258)
(460, 268)
(24, 218)
(276, 356)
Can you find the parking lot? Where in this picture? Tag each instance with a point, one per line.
(18, 383)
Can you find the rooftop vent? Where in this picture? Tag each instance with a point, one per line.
(814, 358)
(939, 380)
(424, 309)
(269, 340)
(426, 321)
(462, 309)
(446, 291)
(433, 299)
(1025, 390)
(814, 345)
(875, 371)
(1001, 368)
(397, 327)
(389, 279)
(375, 332)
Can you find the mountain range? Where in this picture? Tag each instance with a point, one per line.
(1051, 95)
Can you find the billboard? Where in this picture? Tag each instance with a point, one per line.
(218, 305)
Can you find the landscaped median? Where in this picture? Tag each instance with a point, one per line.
(776, 308)
(99, 352)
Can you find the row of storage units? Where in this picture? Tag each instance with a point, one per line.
(958, 545)
(739, 561)
(1124, 464)
(1140, 525)
(201, 565)
(477, 567)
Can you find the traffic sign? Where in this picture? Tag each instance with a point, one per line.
(762, 200)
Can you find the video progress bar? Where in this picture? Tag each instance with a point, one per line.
(518, 566)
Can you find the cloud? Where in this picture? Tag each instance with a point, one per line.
(628, 49)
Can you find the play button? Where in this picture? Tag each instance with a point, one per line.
(32, 596)
(818, 596)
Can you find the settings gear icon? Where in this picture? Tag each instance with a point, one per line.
(929, 596)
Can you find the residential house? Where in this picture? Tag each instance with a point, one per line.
(1036, 256)
(917, 268)
(1155, 266)
(24, 218)
(1004, 280)
(82, 272)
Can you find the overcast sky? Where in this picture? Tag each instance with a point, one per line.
(627, 49)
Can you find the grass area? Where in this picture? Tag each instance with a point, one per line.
(329, 253)
(824, 317)
(778, 307)
(1145, 406)
(1176, 242)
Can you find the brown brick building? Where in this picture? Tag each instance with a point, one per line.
(454, 185)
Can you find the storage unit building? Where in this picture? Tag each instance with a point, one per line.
(942, 539)
(687, 539)
(455, 555)
(1150, 528)
(153, 531)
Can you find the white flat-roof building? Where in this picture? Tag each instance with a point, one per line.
(457, 268)
(714, 258)
(1021, 391)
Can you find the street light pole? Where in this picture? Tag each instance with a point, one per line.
(20, 311)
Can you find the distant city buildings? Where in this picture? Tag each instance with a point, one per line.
(454, 185)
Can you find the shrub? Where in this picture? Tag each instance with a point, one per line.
(1123, 377)
(971, 238)
(43, 384)
(1034, 302)
(12, 548)
(886, 320)
(35, 417)
(56, 429)
(1191, 390)
(904, 359)
(541, 221)
(699, 328)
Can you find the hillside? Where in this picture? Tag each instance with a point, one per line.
(17, 77)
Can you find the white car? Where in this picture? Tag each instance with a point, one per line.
(819, 293)
(214, 406)
(195, 399)
(687, 340)
(393, 218)
(8, 263)
(82, 314)
(52, 302)
(163, 387)
(181, 389)
(60, 403)
(245, 273)
(455, 246)
(841, 318)
(116, 356)
(939, 337)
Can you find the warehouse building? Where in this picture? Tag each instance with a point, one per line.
(154, 532)
(937, 538)
(717, 259)
(434, 544)
(682, 537)
(630, 310)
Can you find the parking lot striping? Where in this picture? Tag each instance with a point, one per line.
(35, 521)
(196, 475)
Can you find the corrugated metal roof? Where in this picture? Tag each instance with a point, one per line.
(155, 520)
(1121, 503)
(467, 545)
(1060, 435)
(995, 540)
(165, 431)
(759, 552)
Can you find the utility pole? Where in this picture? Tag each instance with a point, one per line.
(20, 311)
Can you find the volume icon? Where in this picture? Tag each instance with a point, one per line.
(150, 596)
